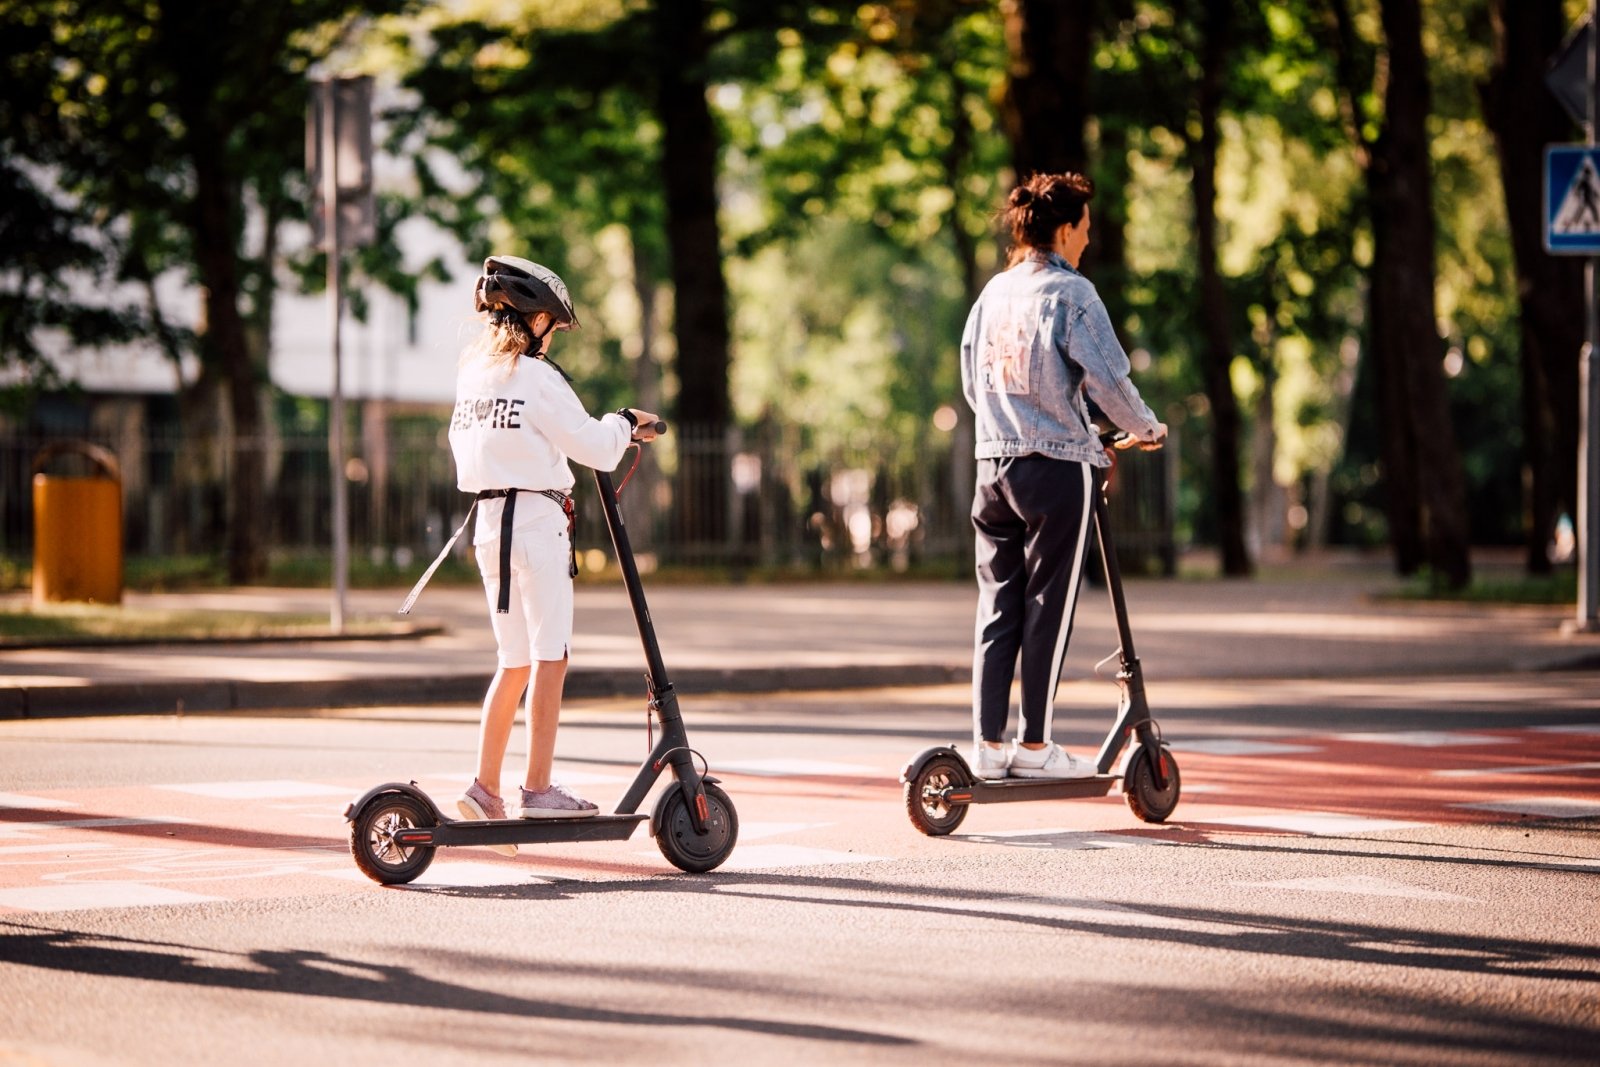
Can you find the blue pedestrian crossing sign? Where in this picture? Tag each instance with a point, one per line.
(1572, 200)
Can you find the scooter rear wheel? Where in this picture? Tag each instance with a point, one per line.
(930, 813)
(687, 850)
(372, 842)
(1146, 801)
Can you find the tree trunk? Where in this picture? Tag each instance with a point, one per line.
(228, 346)
(1215, 322)
(689, 174)
(1417, 425)
(1525, 117)
(1046, 104)
(1424, 487)
(214, 228)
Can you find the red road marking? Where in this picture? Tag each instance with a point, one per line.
(171, 841)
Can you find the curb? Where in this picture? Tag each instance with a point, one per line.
(181, 697)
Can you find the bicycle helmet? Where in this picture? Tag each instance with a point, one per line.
(526, 288)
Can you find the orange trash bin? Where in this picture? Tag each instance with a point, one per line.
(77, 527)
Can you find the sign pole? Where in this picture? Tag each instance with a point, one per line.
(330, 230)
(1588, 618)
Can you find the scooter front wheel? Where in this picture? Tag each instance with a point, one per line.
(685, 849)
(1146, 801)
(929, 811)
(372, 842)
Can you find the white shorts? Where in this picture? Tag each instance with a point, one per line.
(538, 625)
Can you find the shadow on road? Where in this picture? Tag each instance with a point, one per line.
(311, 973)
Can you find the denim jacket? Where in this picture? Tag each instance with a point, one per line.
(1036, 341)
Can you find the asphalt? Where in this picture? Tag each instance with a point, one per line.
(1329, 617)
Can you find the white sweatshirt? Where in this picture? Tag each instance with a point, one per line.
(517, 430)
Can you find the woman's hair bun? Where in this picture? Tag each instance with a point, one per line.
(1021, 196)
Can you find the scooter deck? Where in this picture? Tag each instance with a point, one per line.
(1003, 790)
(522, 831)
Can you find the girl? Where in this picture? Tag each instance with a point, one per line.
(516, 425)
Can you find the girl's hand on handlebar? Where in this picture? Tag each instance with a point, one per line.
(649, 425)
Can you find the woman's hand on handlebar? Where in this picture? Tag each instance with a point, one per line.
(1155, 443)
(648, 426)
(1122, 440)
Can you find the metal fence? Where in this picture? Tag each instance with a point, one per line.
(726, 501)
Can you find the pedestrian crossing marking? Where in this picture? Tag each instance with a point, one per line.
(782, 766)
(1548, 807)
(1317, 823)
(755, 831)
(27, 829)
(22, 800)
(85, 896)
(761, 857)
(1423, 738)
(277, 789)
(1521, 768)
(1357, 884)
(1230, 746)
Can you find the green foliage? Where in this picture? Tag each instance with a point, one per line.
(111, 110)
(862, 163)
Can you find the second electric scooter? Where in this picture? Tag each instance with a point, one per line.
(395, 827)
(939, 782)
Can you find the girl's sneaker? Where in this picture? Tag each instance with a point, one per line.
(1052, 761)
(555, 801)
(478, 803)
(991, 762)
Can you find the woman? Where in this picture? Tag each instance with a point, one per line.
(516, 425)
(1037, 342)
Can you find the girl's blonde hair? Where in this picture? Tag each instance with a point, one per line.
(505, 336)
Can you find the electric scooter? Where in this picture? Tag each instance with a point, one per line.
(940, 785)
(395, 827)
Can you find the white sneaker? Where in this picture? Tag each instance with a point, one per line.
(1050, 762)
(991, 762)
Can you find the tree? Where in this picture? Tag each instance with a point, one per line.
(1525, 117)
(662, 59)
(167, 122)
(1046, 104)
(1217, 27)
(1424, 484)
(1184, 81)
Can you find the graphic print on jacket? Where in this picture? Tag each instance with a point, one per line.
(1004, 363)
(494, 413)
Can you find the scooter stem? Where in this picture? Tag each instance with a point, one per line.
(1113, 570)
(673, 748)
(630, 579)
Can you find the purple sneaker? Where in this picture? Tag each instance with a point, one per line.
(478, 803)
(554, 802)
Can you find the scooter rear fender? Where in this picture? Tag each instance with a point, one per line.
(921, 760)
(408, 788)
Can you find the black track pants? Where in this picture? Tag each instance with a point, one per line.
(1031, 517)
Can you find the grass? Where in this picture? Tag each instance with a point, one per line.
(167, 574)
(1558, 588)
(74, 624)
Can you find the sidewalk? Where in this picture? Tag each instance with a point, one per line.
(1305, 622)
